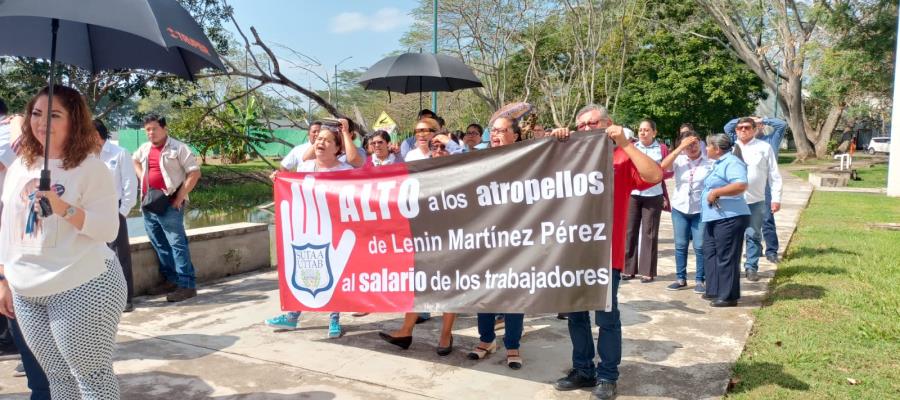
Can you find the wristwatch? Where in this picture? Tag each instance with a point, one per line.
(70, 212)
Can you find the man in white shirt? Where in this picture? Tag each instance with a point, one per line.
(762, 169)
(118, 160)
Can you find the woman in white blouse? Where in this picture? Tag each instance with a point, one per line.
(58, 277)
(425, 130)
(690, 165)
(328, 147)
(644, 211)
(381, 150)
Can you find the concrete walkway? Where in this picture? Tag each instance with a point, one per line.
(214, 346)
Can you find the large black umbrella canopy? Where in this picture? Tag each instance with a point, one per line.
(100, 35)
(105, 34)
(419, 72)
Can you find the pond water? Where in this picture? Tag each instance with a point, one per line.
(195, 218)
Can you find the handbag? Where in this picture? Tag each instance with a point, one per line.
(667, 204)
(155, 201)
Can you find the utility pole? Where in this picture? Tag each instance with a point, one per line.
(434, 40)
(336, 80)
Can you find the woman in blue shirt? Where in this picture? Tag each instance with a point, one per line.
(726, 216)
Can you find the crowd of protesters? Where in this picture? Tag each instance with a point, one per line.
(725, 191)
(65, 264)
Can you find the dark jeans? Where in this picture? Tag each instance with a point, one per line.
(642, 240)
(37, 380)
(166, 233)
(722, 242)
(609, 343)
(122, 247)
(753, 234)
(515, 323)
(770, 235)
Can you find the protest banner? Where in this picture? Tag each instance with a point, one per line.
(520, 228)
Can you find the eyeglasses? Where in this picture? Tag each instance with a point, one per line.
(425, 130)
(589, 124)
(498, 130)
(744, 127)
(473, 133)
(438, 146)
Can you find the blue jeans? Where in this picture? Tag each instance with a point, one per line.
(166, 233)
(37, 380)
(515, 323)
(609, 343)
(768, 227)
(688, 227)
(753, 235)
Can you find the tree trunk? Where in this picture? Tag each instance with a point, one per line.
(821, 136)
(792, 101)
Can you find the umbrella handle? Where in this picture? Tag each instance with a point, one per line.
(44, 183)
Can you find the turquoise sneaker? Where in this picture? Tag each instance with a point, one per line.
(282, 323)
(334, 329)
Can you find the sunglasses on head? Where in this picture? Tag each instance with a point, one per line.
(332, 128)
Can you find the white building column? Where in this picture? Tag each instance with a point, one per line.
(893, 181)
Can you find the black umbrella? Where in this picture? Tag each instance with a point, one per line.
(419, 72)
(105, 34)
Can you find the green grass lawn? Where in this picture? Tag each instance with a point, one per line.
(874, 176)
(871, 177)
(834, 309)
(226, 188)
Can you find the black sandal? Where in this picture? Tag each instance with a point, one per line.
(481, 352)
(513, 361)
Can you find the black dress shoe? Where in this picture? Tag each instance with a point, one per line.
(708, 297)
(401, 342)
(723, 303)
(166, 288)
(562, 315)
(129, 307)
(181, 294)
(605, 391)
(752, 276)
(627, 277)
(574, 380)
(444, 351)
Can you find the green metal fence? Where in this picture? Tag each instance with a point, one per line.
(131, 139)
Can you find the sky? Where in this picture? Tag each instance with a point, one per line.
(327, 30)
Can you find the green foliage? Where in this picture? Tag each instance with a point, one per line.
(106, 92)
(676, 78)
(855, 68)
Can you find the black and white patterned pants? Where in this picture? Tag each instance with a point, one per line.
(72, 335)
